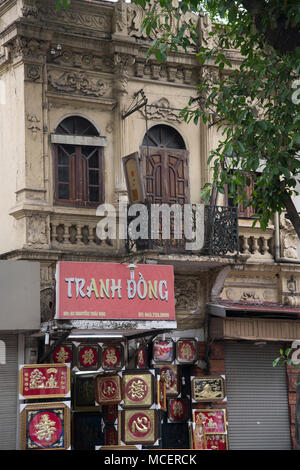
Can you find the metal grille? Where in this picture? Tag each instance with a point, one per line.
(258, 416)
(8, 394)
(220, 234)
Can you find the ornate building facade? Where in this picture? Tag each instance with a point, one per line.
(68, 82)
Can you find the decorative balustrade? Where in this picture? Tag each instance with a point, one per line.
(255, 243)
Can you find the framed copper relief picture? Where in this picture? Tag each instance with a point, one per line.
(142, 357)
(108, 389)
(45, 426)
(198, 437)
(138, 389)
(62, 354)
(163, 350)
(186, 350)
(112, 356)
(171, 375)
(161, 394)
(216, 441)
(139, 427)
(84, 393)
(178, 410)
(208, 389)
(44, 381)
(88, 357)
(214, 421)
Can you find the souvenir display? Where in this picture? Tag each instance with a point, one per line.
(178, 410)
(44, 381)
(199, 437)
(142, 357)
(62, 354)
(214, 421)
(186, 351)
(138, 389)
(208, 389)
(108, 389)
(163, 350)
(170, 374)
(109, 413)
(86, 431)
(45, 426)
(216, 441)
(112, 356)
(162, 394)
(139, 427)
(110, 436)
(84, 393)
(88, 357)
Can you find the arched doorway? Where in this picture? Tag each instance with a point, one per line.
(165, 166)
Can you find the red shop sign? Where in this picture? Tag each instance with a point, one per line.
(112, 291)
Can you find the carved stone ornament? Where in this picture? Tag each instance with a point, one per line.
(37, 230)
(27, 48)
(33, 72)
(33, 125)
(288, 238)
(77, 83)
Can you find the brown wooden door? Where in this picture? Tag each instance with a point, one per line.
(165, 175)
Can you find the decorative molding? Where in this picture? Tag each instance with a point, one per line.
(33, 125)
(162, 110)
(77, 83)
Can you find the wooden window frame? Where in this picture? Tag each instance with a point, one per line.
(78, 179)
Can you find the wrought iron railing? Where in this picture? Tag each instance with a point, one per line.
(220, 234)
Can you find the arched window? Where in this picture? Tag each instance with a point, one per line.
(2, 352)
(165, 166)
(79, 175)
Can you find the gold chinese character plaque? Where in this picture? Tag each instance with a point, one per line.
(139, 427)
(138, 389)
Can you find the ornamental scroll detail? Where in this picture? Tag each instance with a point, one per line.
(77, 83)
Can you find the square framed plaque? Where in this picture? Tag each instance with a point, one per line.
(214, 421)
(216, 441)
(178, 410)
(208, 389)
(84, 393)
(108, 389)
(63, 354)
(163, 350)
(138, 389)
(139, 427)
(44, 381)
(45, 426)
(170, 373)
(112, 356)
(88, 357)
(186, 350)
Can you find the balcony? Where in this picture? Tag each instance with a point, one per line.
(220, 234)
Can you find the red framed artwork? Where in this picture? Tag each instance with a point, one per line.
(186, 350)
(112, 356)
(44, 381)
(142, 357)
(88, 357)
(108, 389)
(162, 394)
(199, 437)
(139, 427)
(45, 426)
(109, 413)
(216, 441)
(163, 350)
(62, 354)
(138, 389)
(110, 436)
(208, 389)
(171, 376)
(214, 421)
(178, 410)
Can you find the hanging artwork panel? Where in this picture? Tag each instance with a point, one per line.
(109, 413)
(186, 350)
(163, 350)
(161, 394)
(110, 436)
(198, 437)
(84, 393)
(86, 431)
(112, 356)
(88, 357)
(108, 389)
(138, 389)
(171, 375)
(44, 381)
(178, 410)
(139, 427)
(214, 421)
(216, 441)
(62, 354)
(208, 389)
(45, 426)
(142, 357)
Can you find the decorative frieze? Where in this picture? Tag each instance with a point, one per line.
(78, 83)
(162, 110)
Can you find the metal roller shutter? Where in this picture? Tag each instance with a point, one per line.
(258, 415)
(8, 393)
